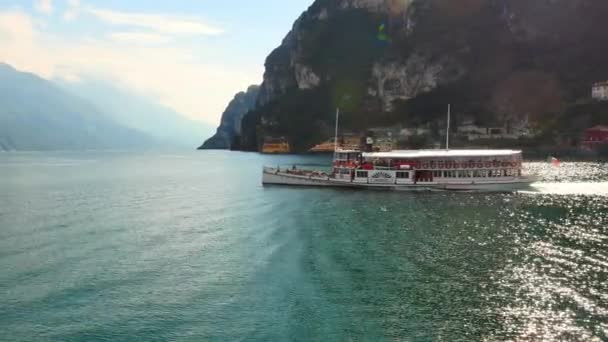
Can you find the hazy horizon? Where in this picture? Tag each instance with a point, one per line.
(190, 57)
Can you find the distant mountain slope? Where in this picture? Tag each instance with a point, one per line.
(230, 125)
(139, 112)
(36, 114)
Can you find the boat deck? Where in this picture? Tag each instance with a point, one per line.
(274, 176)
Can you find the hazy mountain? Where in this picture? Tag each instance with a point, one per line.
(230, 125)
(400, 62)
(36, 114)
(142, 113)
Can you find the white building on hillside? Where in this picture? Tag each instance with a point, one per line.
(600, 91)
(413, 132)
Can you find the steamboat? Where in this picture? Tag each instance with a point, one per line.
(414, 170)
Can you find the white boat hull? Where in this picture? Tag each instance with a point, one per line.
(274, 177)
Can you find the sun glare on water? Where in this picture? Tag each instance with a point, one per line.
(570, 178)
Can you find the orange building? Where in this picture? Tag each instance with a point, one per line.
(276, 146)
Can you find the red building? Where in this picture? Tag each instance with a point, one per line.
(595, 136)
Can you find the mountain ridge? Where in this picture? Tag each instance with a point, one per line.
(36, 114)
(388, 62)
(139, 112)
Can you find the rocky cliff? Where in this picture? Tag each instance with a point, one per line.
(388, 62)
(230, 125)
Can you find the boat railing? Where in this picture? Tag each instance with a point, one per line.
(384, 168)
(297, 171)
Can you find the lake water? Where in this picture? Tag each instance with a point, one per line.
(191, 247)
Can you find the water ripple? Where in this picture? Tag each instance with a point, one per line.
(196, 249)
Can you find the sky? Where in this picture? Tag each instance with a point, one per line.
(190, 55)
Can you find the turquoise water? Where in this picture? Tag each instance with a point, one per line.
(191, 247)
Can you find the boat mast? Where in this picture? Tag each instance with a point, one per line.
(447, 132)
(336, 135)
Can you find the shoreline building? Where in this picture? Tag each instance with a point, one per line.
(471, 132)
(600, 91)
(595, 137)
(275, 146)
(346, 141)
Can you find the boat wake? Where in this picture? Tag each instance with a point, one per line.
(569, 188)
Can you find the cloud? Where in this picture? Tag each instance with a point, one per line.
(171, 73)
(141, 38)
(73, 10)
(44, 6)
(159, 23)
(70, 15)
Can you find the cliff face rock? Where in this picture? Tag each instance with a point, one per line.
(391, 81)
(230, 125)
(306, 78)
(392, 7)
(388, 62)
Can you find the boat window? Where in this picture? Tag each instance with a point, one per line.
(362, 174)
(403, 175)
